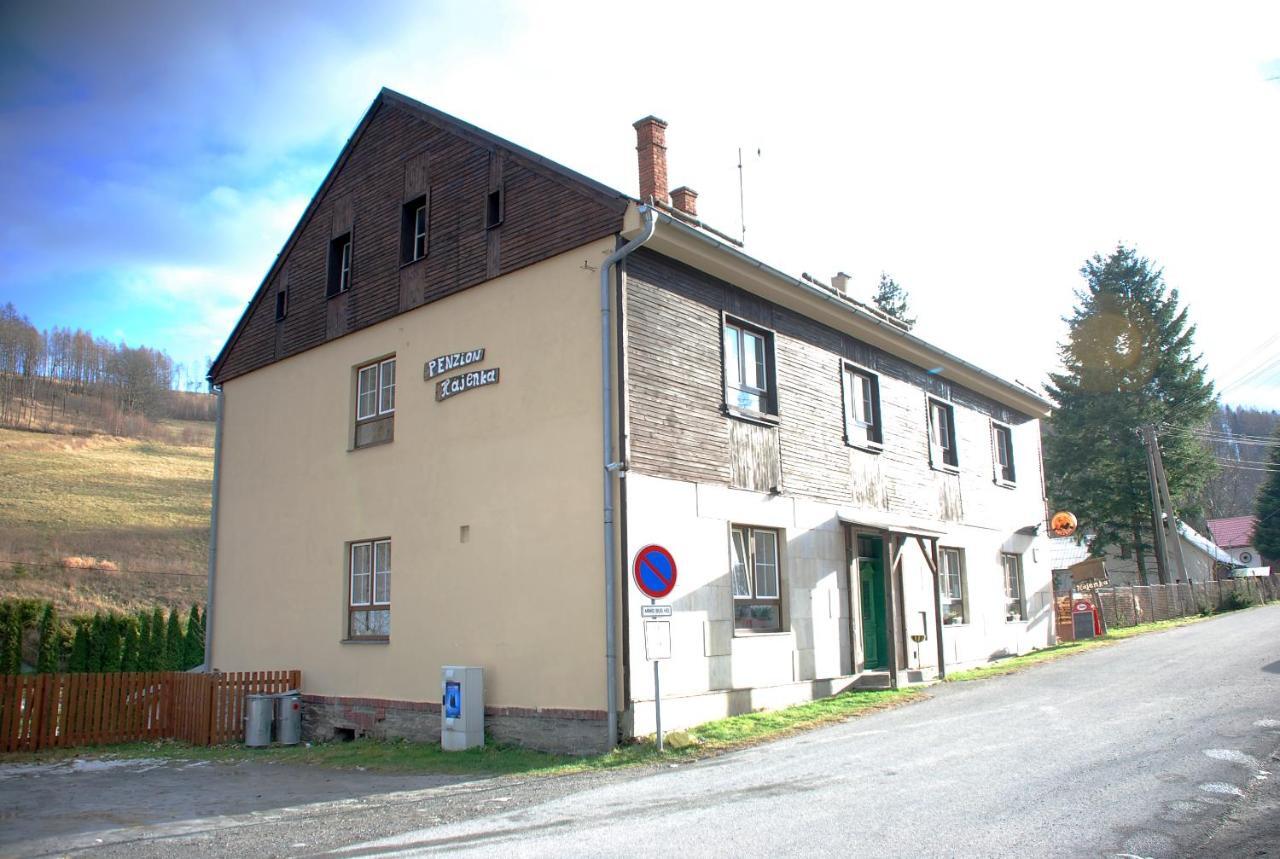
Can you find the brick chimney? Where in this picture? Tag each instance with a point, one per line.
(651, 150)
(685, 199)
(840, 281)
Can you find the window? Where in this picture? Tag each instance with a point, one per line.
(282, 304)
(339, 265)
(861, 407)
(1015, 608)
(413, 230)
(951, 583)
(748, 368)
(942, 435)
(375, 402)
(1002, 442)
(493, 209)
(756, 580)
(369, 591)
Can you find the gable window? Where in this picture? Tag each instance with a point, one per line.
(861, 407)
(413, 230)
(942, 435)
(493, 208)
(1015, 606)
(1002, 445)
(748, 369)
(339, 265)
(375, 402)
(282, 304)
(755, 579)
(369, 590)
(951, 581)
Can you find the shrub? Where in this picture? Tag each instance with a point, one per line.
(1237, 600)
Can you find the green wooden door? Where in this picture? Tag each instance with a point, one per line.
(875, 635)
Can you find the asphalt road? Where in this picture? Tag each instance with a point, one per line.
(1155, 747)
(1160, 746)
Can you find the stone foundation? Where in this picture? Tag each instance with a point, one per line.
(577, 732)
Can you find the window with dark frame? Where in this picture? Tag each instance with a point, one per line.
(493, 209)
(375, 402)
(413, 230)
(1003, 444)
(282, 304)
(339, 265)
(942, 434)
(748, 368)
(1015, 607)
(756, 579)
(861, 407)
(951, 583)
(369, 590)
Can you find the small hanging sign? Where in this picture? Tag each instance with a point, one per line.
(455, 385)
(445, 363)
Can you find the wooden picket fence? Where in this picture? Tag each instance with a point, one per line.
(43, 711)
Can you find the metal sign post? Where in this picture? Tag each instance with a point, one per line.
(657, 647)
(654, 570)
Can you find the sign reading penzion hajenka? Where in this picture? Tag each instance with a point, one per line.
(445, 363)
(455, 385)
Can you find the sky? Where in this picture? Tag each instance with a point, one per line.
(157, 155)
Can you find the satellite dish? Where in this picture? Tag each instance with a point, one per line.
(1246, 557)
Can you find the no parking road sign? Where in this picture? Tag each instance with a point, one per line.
(654, 571)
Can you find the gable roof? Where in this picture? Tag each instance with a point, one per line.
(1065, 552)
(387, 97)
(1234, 532)
(1203, 543)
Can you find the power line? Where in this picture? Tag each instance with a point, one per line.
(45, 566)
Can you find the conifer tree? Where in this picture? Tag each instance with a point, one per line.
(1128, 362)
(8, 641)
(142, 662)
(78, 663)
(173, 644)
(129, 648)
(193, 641)
(112, 643)
(97, 638)
(155, 654)
(50, 641)
(892, 299)
(1266, 535)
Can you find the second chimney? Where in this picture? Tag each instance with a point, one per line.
(840, 281)
(651, 150)
(685, 199)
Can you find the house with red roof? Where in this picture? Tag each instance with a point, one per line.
(1235, 536)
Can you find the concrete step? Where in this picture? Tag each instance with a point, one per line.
(872, 680)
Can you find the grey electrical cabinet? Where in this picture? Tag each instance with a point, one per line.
(461, 707)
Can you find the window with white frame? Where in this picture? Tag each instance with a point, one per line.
(861, 407)
(1002, 447)
(375, 401)
(748, 368)
(756, 579)
(951, 583)
(414, 217)
(369, 590)
(1015, 605)
(942, 435)
(339, 265)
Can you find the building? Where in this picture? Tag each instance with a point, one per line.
(846, 503)
(1235, 535)
(1205, 561)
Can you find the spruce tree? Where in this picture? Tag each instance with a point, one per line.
(97, 638)
(78, 663)
(892, 299)
(173, 644)
(193, 641)
(1266, 534)
(155, 653)
(112, 644)
(50, 641)
(1128, 362)
(129, 648)
(142, 661)
(8, 643)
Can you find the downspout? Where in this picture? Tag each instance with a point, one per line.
(213, 537)
(610, 466)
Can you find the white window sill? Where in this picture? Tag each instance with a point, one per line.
(865, 446)
(364, 641)
(945, 469)
(1006, 484)
(746, 633)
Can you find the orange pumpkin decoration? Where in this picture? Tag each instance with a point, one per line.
(1063, 524)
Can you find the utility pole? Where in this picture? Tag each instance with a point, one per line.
(1171, 516)
(1157, 516)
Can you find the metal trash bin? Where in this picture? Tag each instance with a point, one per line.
(289, 718)
(258, 712)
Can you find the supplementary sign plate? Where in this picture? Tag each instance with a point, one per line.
(657, 640)
(655, 611)
(654, 571)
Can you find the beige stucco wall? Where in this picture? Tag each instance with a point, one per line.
(517, 462)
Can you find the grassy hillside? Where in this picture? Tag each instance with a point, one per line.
(68, 502)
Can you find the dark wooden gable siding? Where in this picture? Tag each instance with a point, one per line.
(678, 429)
(399, 155)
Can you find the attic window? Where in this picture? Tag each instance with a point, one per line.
(493, 210)
(282, 304)
(339, 265)
(414, 218)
